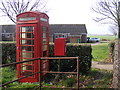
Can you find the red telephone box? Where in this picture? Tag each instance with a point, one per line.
(32, 41)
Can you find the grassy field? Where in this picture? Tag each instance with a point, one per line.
(100, 52)
(103, 37)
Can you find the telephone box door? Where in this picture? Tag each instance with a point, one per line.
(26, 49)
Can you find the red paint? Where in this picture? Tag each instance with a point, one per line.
(60, 47)
(32, 41)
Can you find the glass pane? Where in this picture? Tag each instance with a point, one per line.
(27, 35)
(27, 55)
(44, 66)
(44, 35)
(30, 35)
(27, 48)
(23, 35)
(23, 29)
(27, 42)
(44, 53)
(27, 62)
(27, 67)
(27, 29)
(44, 29)
(23, 42)
(24, 73)
(44, 47)
(44, 41)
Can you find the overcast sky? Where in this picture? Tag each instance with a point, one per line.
(72, 12)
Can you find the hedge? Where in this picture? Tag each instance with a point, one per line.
(8, 53)
(72, 50)
(111, 50)
(84, 52)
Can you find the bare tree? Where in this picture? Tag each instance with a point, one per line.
(11, 8)
(109, 12)
(114, 30)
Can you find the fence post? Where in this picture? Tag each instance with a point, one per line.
(116, 66)
(78, 73)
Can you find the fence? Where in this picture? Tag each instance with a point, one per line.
(51, 72)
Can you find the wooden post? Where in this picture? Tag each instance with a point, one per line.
(78, 73)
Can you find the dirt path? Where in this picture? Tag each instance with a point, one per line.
(93, 44)
(99, 65)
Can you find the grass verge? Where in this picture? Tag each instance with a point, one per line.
(100, 52)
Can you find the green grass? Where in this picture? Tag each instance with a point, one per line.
(95, 78)
(7, 41)
(8, 74)
(100, 52)
(105, 37)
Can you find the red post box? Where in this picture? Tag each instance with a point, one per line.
(32, 41)
(60, 47)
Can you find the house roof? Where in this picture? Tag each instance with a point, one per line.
(73, 29)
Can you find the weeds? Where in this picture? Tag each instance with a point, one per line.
(8, 74)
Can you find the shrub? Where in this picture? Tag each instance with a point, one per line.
(73, 50)
(8, 52)
(111, 50)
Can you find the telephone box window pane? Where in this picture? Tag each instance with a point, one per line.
(44, 29)
(23, 35)
(27, 42)
(44, 41)
(44, 66)
(27, 35)
(27, 48)
(30, 42)
(26, 67)
(23, 42)
(27, 62)
(24, 73)
(27, 29)
(44, 53)
(44, 35)
(30, 35)
(44, 47)
(27, 55)
(23, 29)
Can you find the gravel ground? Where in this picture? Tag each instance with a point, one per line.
(99, 65)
